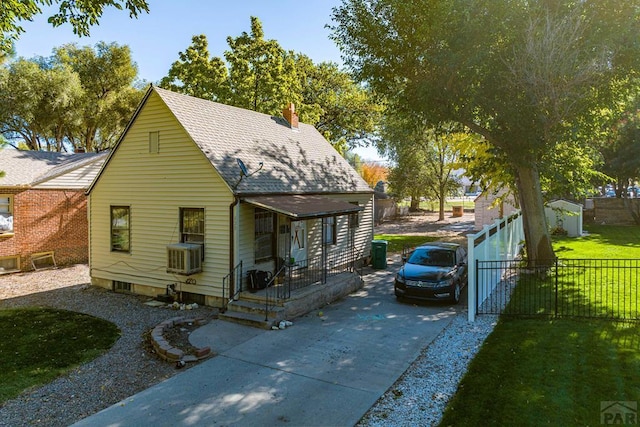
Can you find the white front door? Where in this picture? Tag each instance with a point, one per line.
(299, 240)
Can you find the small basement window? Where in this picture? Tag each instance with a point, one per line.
(43, 260)
(9, 264)
(122, 287)
(190, 298)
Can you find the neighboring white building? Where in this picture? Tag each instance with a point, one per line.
(566, 215)
(489, 207)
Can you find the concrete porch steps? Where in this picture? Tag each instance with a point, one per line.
(248, 319)
(249, 309)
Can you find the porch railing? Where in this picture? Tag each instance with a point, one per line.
(299, 275)
(233, 278)
(318, 269)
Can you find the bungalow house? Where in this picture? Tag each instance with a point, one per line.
(220, 205)
(43, 208)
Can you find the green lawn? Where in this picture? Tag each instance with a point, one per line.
(532, 372)
(38, 345)
(399, 241)
(468, 204)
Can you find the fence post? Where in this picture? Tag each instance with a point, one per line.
(556, 299)
(496, 239)
(471, 279)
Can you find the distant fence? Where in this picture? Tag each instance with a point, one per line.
(386, 209)
(500, 241)
(592, 288)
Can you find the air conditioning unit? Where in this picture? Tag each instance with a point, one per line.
(184, 258)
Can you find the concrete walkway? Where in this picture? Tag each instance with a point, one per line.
(327, 369)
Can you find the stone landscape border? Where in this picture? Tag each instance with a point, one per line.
(173, 354)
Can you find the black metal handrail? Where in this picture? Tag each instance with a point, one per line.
(234, 277)
(272, 292)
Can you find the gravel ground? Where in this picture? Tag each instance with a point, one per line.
(124, 370)
(421, 394)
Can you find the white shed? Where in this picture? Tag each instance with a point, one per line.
(566, 215)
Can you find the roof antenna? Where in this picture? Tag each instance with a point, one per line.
(245, 172)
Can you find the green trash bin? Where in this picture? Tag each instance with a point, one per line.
(379, 254)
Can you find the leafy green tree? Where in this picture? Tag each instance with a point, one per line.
(260, 73)
(81, 14)
(107, 74)
(257, 74)
(197, 74)
(621, 151)
(78, 98)
(343, 111)
(520, 73)
(37, 103)
(425, 158)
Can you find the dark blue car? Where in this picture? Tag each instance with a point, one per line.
(434, 271)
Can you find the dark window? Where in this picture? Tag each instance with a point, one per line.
(154, 142)
(121, 228)
(265, 236)
(192, 226)
(354, 218)
(329, 230)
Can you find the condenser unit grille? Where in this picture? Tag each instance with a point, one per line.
(184, 258)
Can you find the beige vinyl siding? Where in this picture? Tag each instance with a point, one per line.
(363, 233)
(247, 234)
(362, 236)
(156, 186)
(76, 179)
(361, 241)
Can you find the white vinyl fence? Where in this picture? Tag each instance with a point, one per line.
(500, 241)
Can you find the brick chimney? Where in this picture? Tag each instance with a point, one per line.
(291, 116)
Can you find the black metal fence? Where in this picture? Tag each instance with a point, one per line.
(594, 288)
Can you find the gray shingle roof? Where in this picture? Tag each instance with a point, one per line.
(294, 161)
(25, 168)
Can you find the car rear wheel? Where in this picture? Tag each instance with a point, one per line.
(455, 298)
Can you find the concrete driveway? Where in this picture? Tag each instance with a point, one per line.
(327, 369)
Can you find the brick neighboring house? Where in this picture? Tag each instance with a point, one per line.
(43, 208)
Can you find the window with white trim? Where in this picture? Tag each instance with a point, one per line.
(354, 218)
(120, 228)
(6, 214)
(264, 235)
(329, 230)
(192, 226)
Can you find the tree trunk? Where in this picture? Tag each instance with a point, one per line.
(536, 232)
(415, 204)
(442, 199)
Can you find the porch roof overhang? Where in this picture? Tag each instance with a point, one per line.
(303, 206)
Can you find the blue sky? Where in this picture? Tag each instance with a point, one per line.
(156, 38)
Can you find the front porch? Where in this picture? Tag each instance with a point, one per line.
(264, 308)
